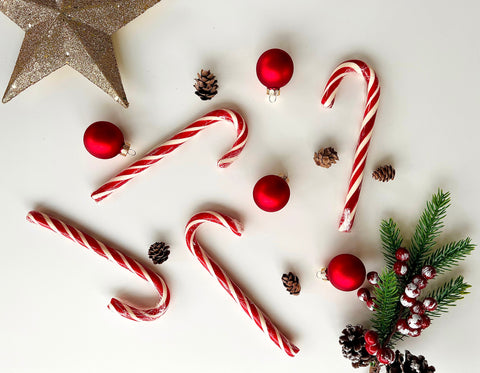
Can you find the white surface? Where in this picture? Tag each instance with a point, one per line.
(54, 294)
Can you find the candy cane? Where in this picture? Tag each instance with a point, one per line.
(174, 142)
(373, 94)
(216, 271)
(115, 256)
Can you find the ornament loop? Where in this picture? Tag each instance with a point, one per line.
(322, 274)
(126, 150)
(131, 152)
(272, 95)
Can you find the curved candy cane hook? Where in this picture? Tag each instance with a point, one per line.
(155, 155)
(115, 256)
(373, 95)
(231, 288)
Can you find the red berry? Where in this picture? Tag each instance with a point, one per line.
(429, 272)
(412, 291)
(372, 349)
(371, 337)
(430, 304)
(417, 308)
(402, 254)
(414, 332)
(371, 304)
(271, 193)
(385, 355)
(401, 325)
(406, 301)
(363, 294)
(400, 268)
(414, 321)
(420, 281)
(425, 321)
(373, 277)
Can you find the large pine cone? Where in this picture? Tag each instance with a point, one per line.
(291, 283)
(384, 173)
(412, 364)
(353, 346)
(325, 157)
(158, 252)
(206, 85)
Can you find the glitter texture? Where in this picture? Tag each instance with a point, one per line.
(77, 33)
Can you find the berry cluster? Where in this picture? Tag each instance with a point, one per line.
(364, 294)
(417, 320)
(384, 355)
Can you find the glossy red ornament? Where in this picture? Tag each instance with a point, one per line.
(271, 193)
(274, 70)
(346, 272)
(104, 140)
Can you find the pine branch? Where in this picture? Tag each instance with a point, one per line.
(448, 256)
(448, 294)
(391, 241)
(385, 316)
(428, 229)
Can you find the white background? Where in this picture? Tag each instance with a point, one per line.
(54, 293)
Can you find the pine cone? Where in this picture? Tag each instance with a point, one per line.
(291, 283)
(384, 173)
(325, 157)
(158, 252)
(353, 346)
(412, 364)
(206, 85)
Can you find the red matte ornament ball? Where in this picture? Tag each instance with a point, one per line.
(103, 140)
(271, 193)
(274, 68)
(346, 272)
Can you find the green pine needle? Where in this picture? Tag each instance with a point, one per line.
(385, 315)
(391, 241)
(448, 256)
(448, 294)
(428, 228)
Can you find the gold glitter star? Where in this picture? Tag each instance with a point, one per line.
(77, 33)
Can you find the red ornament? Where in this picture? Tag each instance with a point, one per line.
(385, 355)
(371, 337)
(104, 140)
(402, 254)
(346, 272)
(274, 70)
(271, 193)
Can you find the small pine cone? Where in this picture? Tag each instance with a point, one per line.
(158, 252)
(325, 157)
(412, 364)
(353, 346)
(291, 283)
(205, 85)
(384, 173)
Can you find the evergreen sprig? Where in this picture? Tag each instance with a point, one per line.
(448, 256)
(387, 296)
(428, 229)
(391, 241)
(448, 294)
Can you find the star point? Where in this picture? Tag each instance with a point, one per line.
(77, 33)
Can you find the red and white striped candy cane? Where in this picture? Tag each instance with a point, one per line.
(216, 116)
(216, 271)
(373, 95)
(115, 256)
